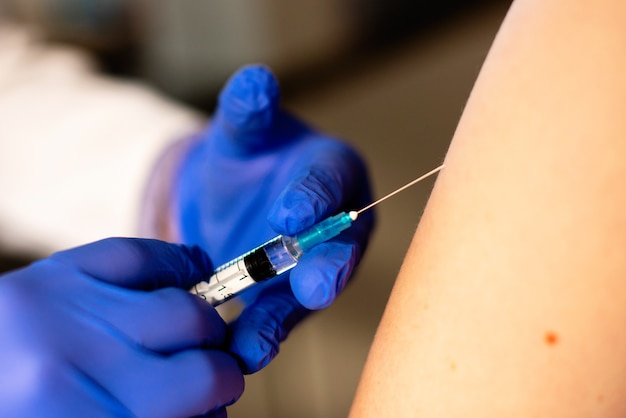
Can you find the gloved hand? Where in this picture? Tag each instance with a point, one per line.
(255, 172)
(101, 331)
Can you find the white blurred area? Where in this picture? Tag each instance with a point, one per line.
(76, 142)
(76, 147)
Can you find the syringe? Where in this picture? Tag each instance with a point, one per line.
(279, 254)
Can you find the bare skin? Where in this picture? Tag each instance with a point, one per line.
(512, 298)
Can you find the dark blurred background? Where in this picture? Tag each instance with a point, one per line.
(187, 48)
(390, 76)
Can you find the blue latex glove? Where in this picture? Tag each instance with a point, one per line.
(256, 172)
(101, 331)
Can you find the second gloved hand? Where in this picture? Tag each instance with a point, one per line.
(102, 331)
(256, 172)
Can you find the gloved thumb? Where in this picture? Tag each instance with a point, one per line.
(247, 109)
(136, 263)
(257, 333)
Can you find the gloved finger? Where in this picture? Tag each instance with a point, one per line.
(331, 178)
(69, 394)
(247, 108)
(255, 336)
(187, 383)
(315, 282)
(323, 273)
(139, 263)
(164, 320)
(191, 382)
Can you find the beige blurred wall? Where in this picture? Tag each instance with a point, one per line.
(400, 109)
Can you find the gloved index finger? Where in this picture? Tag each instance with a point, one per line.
(135, 263)
(331, 177)
(247, 109)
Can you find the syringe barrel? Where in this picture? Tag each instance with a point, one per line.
(283, 254)
(268, 260)
(264, 262)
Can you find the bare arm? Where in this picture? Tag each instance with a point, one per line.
(512, 298)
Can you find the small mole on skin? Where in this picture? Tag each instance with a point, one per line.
(600, 398)
(551, 338)
(453, 366)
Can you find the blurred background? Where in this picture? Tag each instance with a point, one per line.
(91, 91)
